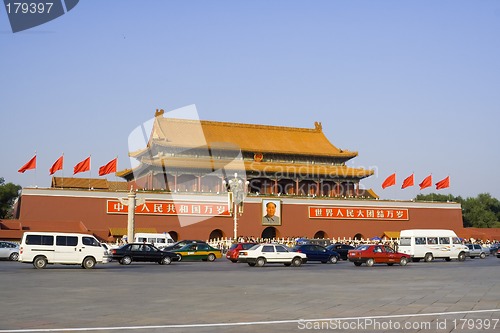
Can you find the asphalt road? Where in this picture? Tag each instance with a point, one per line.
(225, 297)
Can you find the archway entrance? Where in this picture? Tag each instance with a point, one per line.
(269, 232)
(174, 235)
(320, 235)
(216, 234)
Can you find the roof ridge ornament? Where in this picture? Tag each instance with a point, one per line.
(159, 112)
(317, 126)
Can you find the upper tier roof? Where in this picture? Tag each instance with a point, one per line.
(182, 133)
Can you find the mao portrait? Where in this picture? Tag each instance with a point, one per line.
(271, 212)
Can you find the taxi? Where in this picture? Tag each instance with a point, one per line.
(198, 251)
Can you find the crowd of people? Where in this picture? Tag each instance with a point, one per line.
(224, 244)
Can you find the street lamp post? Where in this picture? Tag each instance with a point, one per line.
(131, 201)
(236, 197)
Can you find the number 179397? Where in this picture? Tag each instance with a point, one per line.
(29, 7)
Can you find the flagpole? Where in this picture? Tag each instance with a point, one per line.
(116, 168)
(62, 181)
(90, 168)
(36, 185)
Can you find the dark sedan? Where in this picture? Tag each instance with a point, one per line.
(141, 252)
(318, 253)
(342, 249)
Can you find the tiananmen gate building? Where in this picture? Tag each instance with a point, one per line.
(182, 179)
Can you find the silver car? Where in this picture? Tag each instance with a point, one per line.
(9, 250)
(476, 250)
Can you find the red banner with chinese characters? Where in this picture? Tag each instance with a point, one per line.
(171, 208)
(358, 213)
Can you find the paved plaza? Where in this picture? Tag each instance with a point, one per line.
(224, 297)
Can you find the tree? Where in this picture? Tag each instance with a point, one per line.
(8, 194)
(480, 212)
(438, 197)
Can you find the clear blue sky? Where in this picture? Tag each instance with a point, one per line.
(413, 86)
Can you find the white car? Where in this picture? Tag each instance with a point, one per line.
(9, 250)
(260, 254)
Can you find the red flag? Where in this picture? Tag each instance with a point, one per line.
(58, 165)
(408, 182)
(443, 183)
(82, 166)
(427, 182)
(389, 181)
(108, 168)
(28, 166)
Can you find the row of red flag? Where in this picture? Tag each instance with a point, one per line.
(409, 181)
(83, 166)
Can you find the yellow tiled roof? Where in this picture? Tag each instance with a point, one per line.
(246, 137)
(86, 183)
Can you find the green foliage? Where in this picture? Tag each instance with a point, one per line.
(438, 198)
(480, 212)
(8, 194)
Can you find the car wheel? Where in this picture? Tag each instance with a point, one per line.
(234, 261)
(333, 260)
(260, 262)
(357, 264)
(166, 261)
(40, 262)
(14, 256)
(370, 262)
(403, 261)
(297, 261)
(180, 257)
(482, 256)
(88, 263)
(126, 260)
(211, 257)
(461, 256)
(428, 257)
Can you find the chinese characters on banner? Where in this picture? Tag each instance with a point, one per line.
(171, 208)
(356, 213)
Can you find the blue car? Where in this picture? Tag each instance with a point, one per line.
(318, 253)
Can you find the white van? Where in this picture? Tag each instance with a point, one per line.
(42, 248)
(158, 240)
(428, 244)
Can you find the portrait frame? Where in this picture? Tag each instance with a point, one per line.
(278, 212)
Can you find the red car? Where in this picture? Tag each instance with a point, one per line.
(377, 254)
(234, 250)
